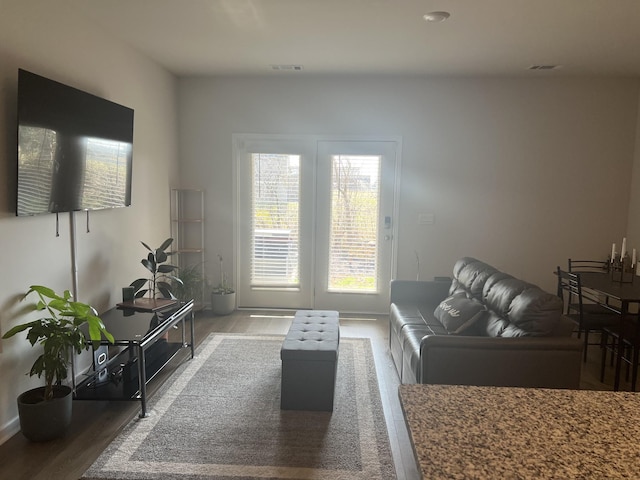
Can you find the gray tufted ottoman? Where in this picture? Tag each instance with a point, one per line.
(309, 356)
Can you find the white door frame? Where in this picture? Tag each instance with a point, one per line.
(237, 148)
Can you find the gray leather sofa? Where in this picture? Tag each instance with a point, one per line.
(483, 328)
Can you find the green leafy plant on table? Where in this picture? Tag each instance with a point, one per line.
(162, 277)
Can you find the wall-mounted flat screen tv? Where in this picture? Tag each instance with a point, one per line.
(74, 149)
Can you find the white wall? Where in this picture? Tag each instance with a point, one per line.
(633, 225)
(45, 39)
(521, 173)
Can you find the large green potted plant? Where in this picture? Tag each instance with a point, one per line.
(223, 297)
(161, 279)
(45, 412)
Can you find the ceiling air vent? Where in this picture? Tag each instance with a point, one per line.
(544, 67)
(295, 68)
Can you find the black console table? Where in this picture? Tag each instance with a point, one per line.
(148, 350)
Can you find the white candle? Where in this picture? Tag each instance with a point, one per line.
(633, 257)
(624, 247)
(613, 252)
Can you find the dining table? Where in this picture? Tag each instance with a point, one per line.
(622, 297)
(474, 432)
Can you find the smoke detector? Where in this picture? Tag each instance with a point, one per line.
(436, 16)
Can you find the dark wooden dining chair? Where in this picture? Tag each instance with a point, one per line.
(591, 266)
(596, 266)
(589, 319)
(610, 342)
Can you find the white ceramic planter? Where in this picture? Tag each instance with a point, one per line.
(223, 303)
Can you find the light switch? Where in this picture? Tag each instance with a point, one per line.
(426, 219)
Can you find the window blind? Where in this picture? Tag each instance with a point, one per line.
(275, 196)
(353, 253)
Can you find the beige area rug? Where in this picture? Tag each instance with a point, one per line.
(219, 417)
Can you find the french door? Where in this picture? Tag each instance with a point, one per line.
(315, 222)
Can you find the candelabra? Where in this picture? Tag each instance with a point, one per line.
(622, 269)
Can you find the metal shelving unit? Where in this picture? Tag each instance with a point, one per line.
(187, 231)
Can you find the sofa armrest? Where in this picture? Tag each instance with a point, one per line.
(544, 362)
(419, 292)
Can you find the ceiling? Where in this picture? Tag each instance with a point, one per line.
(481, 37)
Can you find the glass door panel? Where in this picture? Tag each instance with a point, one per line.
(275, 220)
(354, 228)
(353, 223)
(275, 183)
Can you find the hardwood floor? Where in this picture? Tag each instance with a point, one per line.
(96, 423)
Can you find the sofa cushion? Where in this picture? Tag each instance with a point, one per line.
(536, 312)
(411, 337)
(407, 310)
(520, 308)
(458, 313)
(429, 318)
(400, 315)
(469, 276)
(494, 326)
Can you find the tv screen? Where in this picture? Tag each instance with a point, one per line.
(74, 149)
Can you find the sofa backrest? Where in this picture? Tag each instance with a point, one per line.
(469, 276)
(514, 308)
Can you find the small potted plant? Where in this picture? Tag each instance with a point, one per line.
(160, 282)
(45, 412)
(223, 297)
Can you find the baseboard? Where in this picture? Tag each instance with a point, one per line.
(9, 430)
(12, 427)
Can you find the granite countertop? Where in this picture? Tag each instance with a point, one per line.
(511, 433)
